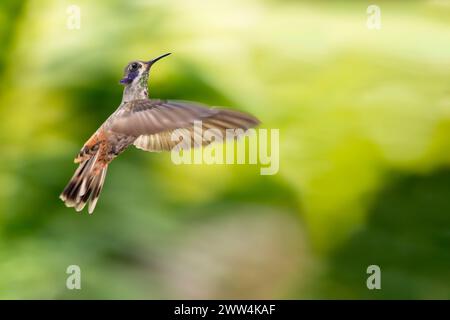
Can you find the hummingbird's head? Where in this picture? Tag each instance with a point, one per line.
(136, 72)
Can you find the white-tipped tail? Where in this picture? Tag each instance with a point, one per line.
(85, 185)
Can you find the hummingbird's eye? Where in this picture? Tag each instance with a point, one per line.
(134, 66)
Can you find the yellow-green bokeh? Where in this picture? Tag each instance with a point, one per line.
(364, 120)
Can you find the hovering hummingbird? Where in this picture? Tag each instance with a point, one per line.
(145, 123)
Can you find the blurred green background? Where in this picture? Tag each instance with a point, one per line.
(364, 119)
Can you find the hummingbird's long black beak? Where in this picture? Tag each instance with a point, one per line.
(151, 62)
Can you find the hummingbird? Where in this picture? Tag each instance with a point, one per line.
(148, 125)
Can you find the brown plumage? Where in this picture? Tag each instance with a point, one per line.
(146, 123)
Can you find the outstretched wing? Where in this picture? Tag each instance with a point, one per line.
(153, 122)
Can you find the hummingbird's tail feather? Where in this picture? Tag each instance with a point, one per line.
(85, 185)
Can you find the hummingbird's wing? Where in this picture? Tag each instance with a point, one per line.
(154, 121)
